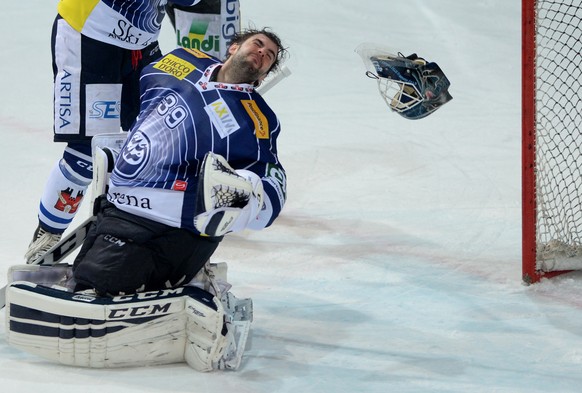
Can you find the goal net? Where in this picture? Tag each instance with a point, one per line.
(552, 137)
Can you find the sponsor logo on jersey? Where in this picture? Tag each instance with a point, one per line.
(222, 118)
(136, 26)
(125, 32)
(134, 156)
(198, 37)
(175, 66)
(129, 200)
(105, 110)
(64, 98)
(258, 118)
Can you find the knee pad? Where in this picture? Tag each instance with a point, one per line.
(148, 328)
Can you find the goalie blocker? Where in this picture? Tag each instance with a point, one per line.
(149, 328)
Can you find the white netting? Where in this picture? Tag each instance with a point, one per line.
(559, 134)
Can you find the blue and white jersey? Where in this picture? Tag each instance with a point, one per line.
(183, 116)
(129, 24)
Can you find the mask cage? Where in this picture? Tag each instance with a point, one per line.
(400, 96)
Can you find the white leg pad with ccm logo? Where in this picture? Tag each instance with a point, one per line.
(149, 328)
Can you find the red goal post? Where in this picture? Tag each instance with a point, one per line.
(551, 138)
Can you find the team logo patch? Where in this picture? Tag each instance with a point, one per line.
(175, 66)
(222, 118)
(69, 200)
(258, 118)
(134, 157)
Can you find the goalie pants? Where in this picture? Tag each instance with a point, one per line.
(96, 85)
(124, 254)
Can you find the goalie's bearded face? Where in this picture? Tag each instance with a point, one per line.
(250, 61)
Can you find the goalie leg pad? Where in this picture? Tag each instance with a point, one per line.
(58, 275)
(148, 328)
(206, 335)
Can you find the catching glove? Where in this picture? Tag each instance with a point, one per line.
(228, 200)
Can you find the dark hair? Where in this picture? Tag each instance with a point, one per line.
(244, 35)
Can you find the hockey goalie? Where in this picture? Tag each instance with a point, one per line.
(200, 162)
(411, 86)
(201, 323)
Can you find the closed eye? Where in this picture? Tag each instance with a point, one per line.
(269, 52)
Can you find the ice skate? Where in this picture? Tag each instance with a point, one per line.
(42, 241)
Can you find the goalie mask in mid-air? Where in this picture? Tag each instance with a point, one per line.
(410, 85)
